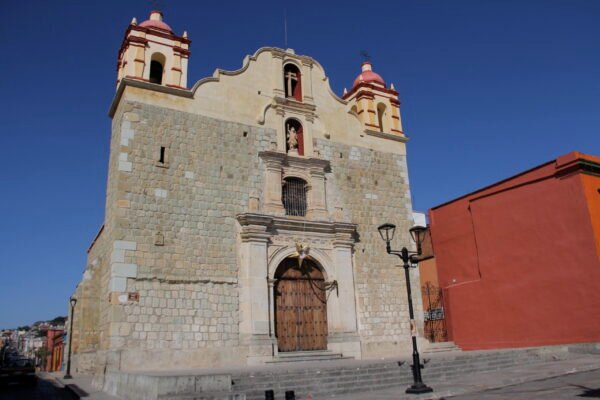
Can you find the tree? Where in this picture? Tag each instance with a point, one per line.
(58, 320)
(41, 355)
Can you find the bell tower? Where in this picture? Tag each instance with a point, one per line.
(152, 52)
(376, 105)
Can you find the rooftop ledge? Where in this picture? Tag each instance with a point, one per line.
(389, 136)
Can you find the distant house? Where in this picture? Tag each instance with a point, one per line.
(519, 260)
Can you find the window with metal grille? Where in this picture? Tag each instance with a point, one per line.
(294, 196)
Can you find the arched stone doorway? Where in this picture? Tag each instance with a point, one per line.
(300, 306)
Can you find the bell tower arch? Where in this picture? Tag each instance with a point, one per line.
(152, 52)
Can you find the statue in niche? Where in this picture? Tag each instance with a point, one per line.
(292, 139)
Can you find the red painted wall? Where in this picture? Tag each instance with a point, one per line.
(50, 344)
(518, 260)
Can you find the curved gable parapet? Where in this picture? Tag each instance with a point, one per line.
(216, 76)
(203, 81)
(245, 64)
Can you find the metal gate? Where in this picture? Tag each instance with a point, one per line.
(294, 196)
(435, 322)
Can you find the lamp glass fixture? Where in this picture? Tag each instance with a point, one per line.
(73, 301)
(387, 231)
(418, 234)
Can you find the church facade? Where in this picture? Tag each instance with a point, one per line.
(241, 215)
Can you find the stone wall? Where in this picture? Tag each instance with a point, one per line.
(168, 286)
(369, 188)
(174, 235)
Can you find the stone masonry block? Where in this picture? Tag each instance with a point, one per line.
(124, 245)
(125, 166)
(124, 270)
(161, 193)
(127, 133)
(118, 284)
(117, 255)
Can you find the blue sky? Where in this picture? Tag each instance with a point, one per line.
(488, 89)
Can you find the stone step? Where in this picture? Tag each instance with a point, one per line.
(205, 396)
(308, 356)
(442, 347)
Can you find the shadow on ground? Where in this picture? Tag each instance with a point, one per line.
(587, 392)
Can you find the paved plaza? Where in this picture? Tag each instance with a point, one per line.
(572, 386)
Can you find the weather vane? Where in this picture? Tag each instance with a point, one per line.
(365, 55)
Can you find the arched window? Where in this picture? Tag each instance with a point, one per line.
(381, 117)
(294, 196)
(292, 82)
(156, 68)
(294, 137)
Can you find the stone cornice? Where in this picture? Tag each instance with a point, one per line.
(144, 85)
(312, 164)
(283, 104)
(343, 233)
(158, 32)
(279, 159)
(272, 158)
(254, 229)
(389, 136)
(369, 86)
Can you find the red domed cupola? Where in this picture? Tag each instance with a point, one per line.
(375, 105)
(156, 22)
(368, 76)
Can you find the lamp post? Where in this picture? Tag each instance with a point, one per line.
(417, 233)
(73, 301)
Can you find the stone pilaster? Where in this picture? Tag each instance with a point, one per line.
(342, 256)
(317, 204)
(272, 191)
(254, 290)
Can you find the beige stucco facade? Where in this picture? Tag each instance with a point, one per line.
(182, 273)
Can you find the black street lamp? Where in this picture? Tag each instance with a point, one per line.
(73, 301)
(418, 234)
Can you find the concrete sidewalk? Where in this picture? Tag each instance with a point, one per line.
(479, 382)
(81, 385)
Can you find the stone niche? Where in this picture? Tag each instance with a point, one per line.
(280, 166)
(265, 242)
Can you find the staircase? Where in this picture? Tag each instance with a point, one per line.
(338, 378)
(335, 378)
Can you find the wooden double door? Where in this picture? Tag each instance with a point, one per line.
(300, 307)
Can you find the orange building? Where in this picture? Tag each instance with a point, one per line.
(55, 345)
(519, 261)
